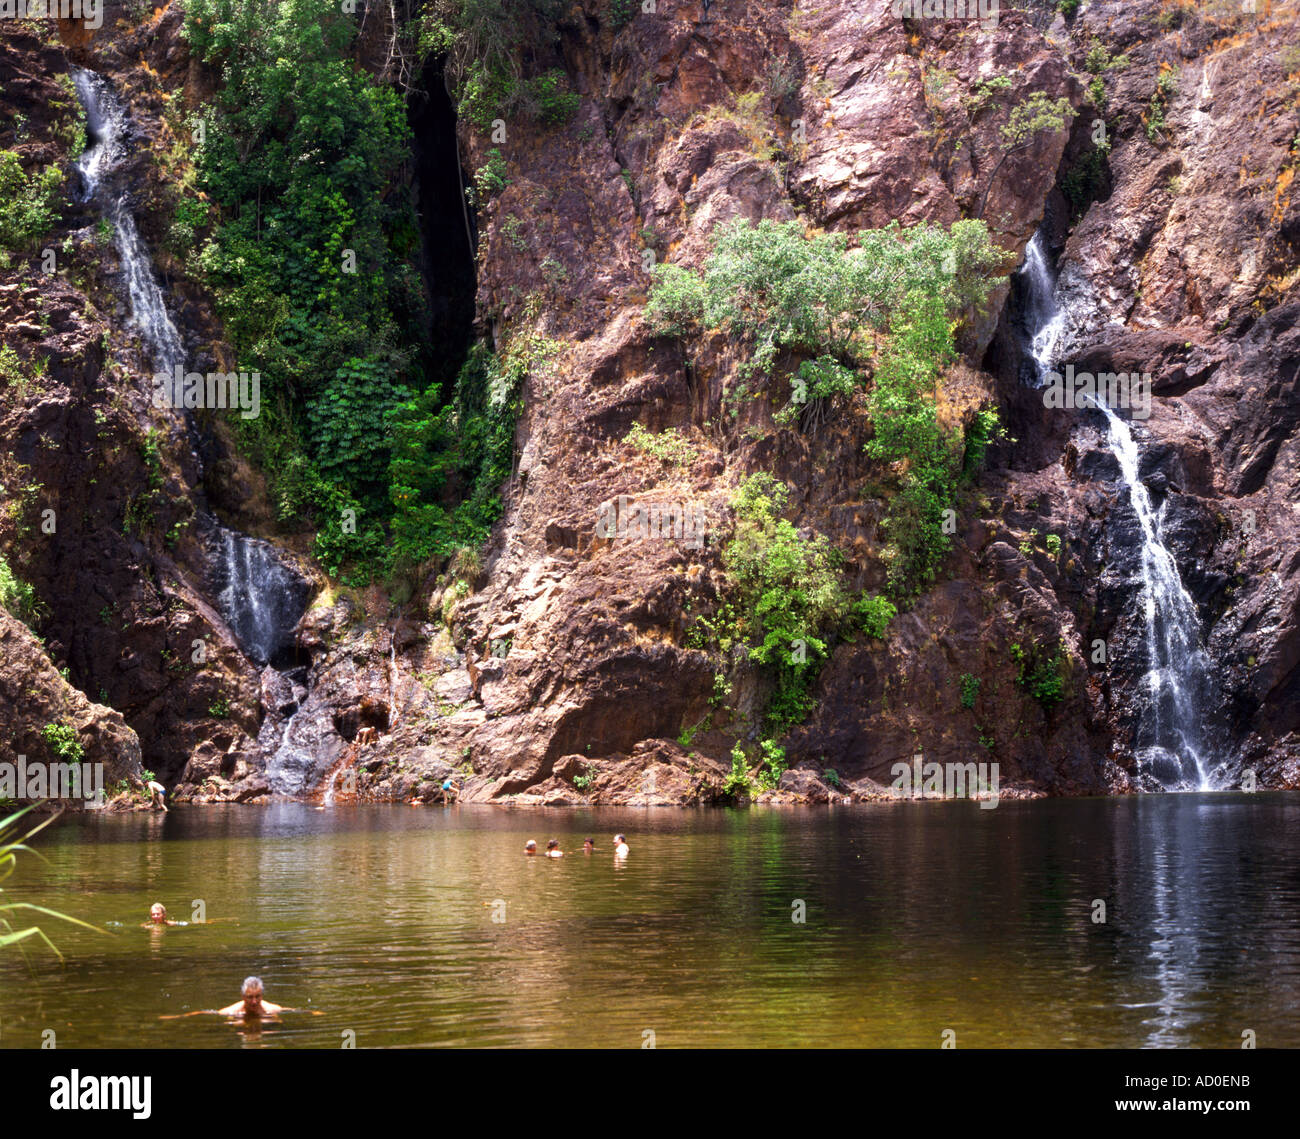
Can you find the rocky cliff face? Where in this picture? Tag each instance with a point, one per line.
(105, 501)
(557, 669)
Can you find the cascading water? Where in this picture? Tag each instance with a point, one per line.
(260, 596)
(1044, 318)
(1170, 745)
(107, 122)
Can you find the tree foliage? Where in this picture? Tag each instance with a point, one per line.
(28, 203)
(311, 258)
(884, 308)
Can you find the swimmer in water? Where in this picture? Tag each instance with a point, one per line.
(588, 846)
(530, 847)
(158, 917)
(553, 849)
(252, 1006)
(620, 846)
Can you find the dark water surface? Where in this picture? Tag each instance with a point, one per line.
(920, 917)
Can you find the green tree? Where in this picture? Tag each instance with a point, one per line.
(1027, 121)
(28, 203)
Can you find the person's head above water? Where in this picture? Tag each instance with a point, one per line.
(619, 839)
(251, 1004)
(157, 912)
(555, 842)
(588, 845)
(530, 847)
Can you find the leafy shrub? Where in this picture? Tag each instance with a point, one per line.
(970, 688)
(1037, 113)
(469, 441)
(1166, 88)
(490, 178)
(776, 288)
(1040, 673)
(737, 782)
(668, 446)
(307, 256)
(484, 43)
(889, 302)
(819, 381)
(188, 218)
(773, 765)
(984, 429)
(348, 423)
(27, 203)
(556, 104)
(874, 614)
(789, 591)
(621, 12)
(676, 303)
(62, 741)
(18, 597)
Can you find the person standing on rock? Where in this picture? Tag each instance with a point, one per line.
(620, 846)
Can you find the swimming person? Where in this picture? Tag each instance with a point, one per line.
(252, 1005)
(588, 846)
(620, 846)
(553, 849)
(530, 847)
(250, 1008)
(158, 916)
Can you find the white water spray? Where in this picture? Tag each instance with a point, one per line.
(1170, 743)
(260, 596)
(1178, 668)
(1045, 319)
(107, 121)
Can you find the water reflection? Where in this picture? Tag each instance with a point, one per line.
(916, 918)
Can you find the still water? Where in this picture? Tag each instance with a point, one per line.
(919, 917)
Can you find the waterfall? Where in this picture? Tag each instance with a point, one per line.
(260, 596)
(1170, 741)
(1044, 318)
(1170, 746)
(107, 123)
